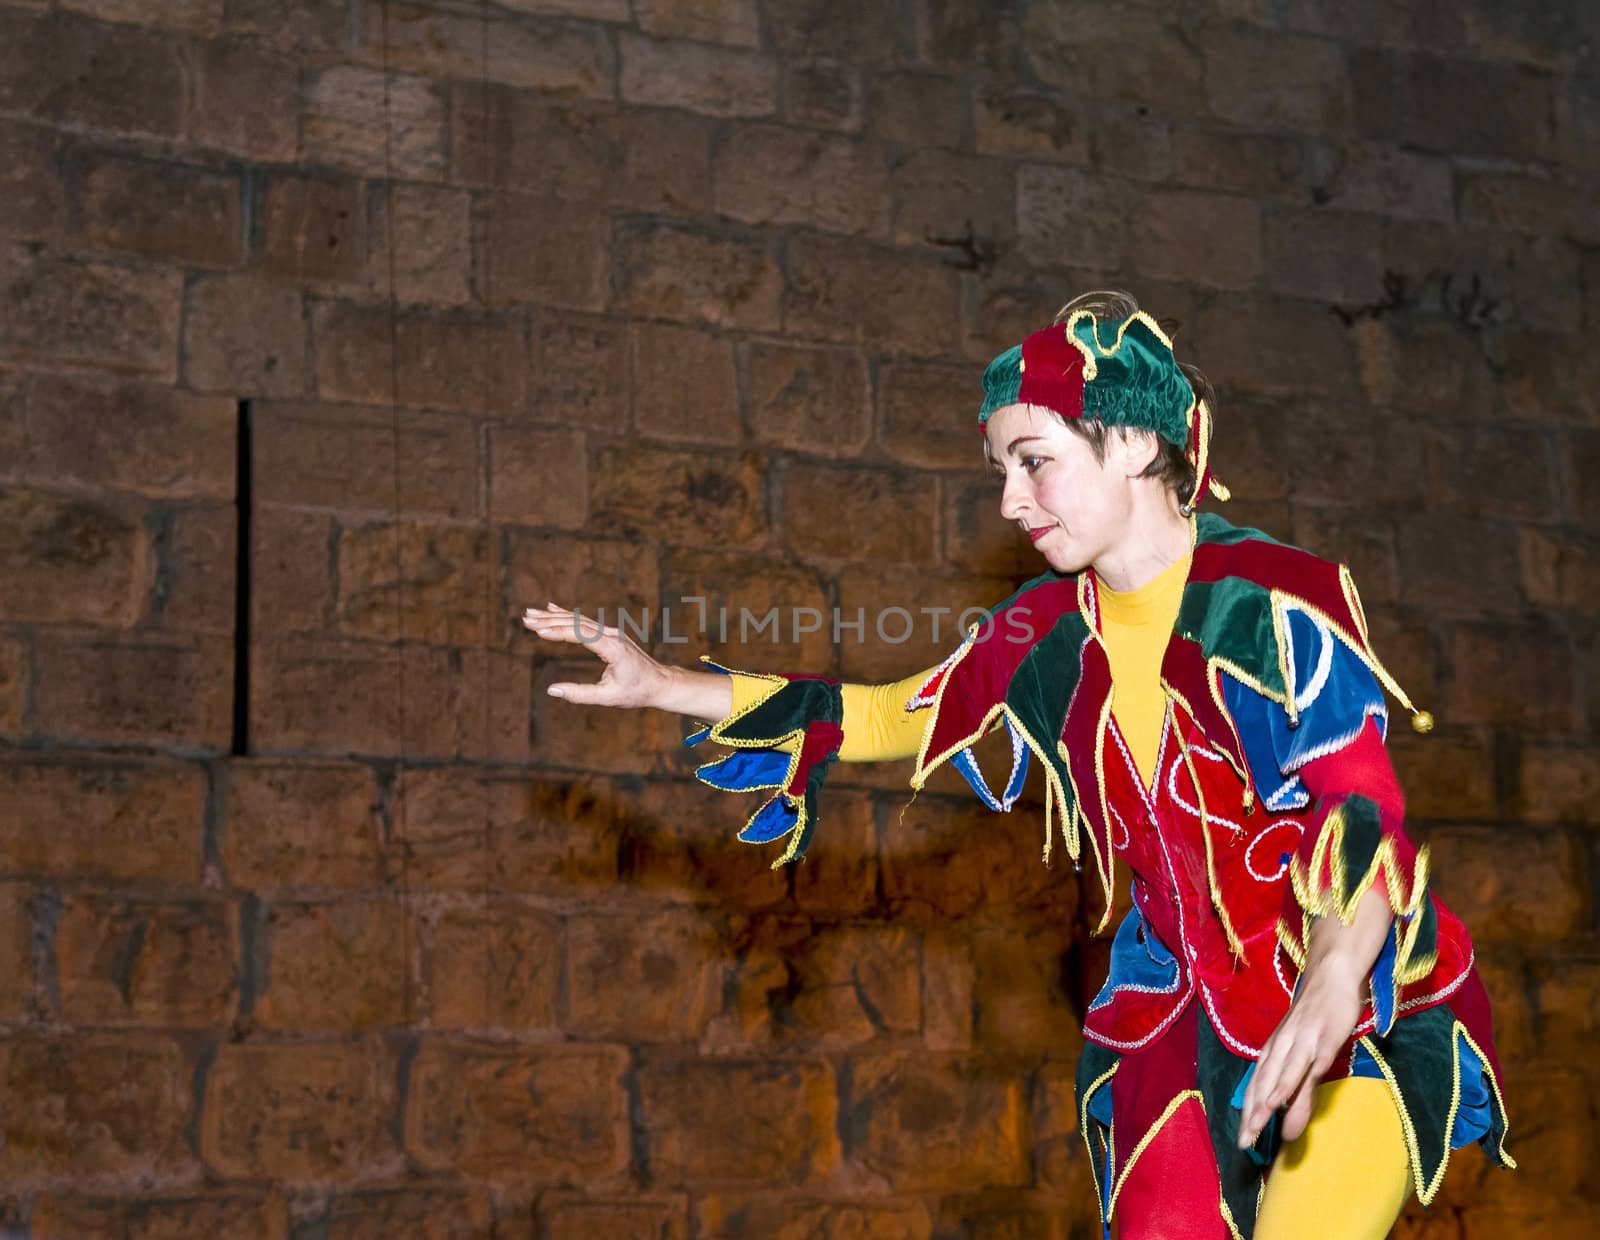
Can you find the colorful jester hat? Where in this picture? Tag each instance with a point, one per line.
(1119, 371)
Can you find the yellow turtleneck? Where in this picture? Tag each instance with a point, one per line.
(1135, 626)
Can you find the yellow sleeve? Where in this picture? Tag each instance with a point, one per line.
(877, 726)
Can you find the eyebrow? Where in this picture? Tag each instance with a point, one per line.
(1011, 448)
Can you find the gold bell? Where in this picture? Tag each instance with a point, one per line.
(1422, 721)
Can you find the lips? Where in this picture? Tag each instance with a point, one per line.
(1039, 532)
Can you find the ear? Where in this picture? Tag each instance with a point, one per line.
(1133, 449)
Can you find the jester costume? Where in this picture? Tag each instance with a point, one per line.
(1271, 803)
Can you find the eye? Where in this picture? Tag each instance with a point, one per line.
(1032, 463)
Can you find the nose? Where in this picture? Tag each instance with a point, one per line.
(1014, 498)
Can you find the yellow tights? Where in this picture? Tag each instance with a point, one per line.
(1347, 1176)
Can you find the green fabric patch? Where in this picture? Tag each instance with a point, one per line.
(1002, 382)
(1232, 620)
(1139, 384)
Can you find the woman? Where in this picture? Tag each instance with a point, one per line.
(1292, 1036)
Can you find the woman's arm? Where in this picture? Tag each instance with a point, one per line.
(1339, 956)
(877, 726)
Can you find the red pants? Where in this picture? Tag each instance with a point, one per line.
(1170, 1190)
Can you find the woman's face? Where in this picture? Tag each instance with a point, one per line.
(1075, 508)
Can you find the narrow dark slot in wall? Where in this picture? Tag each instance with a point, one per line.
(241, 588)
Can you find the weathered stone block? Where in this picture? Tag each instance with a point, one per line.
(858, 514)
(351, 121)
(670, 272)
(302, 825)
(36, 200)
(245, 100)
(1069, 218)
(918, 108)
(136, 963)
(1271, 80)
(190, 216)
(580, 372)
(436, 1213)
(86, 561)
(1207, 239)
(959, 206)
(72, 71)
(713, 80)
(314, 228)
(420, 359)
(664, 974)
(431, 583)
(495, 968)
(142, 690)
(421, 245)
(680, 836)
(1258, 165)
(538, 477)
(1114, 54)
(709, 1122)
(813, 400)
(519, 1115)
(582, 574)
(1520, 676)
(244, 336)
(565, 59)
(436, 702)
(844, 290)
(334, 966)
(306, 1111)
(692, 498)
(755, 614)
(1325, 255)
(131, 437)
(329, 456)
(16, 952)
(686, 387)
(1529, 887)
(567, 1216)
(734, 22)
(60, 312)
(93, 1105)
(1035, 126)
(780, 1218)
(239, 1216)
(122, 819)
(538, 251)
(822, 94)
(927, 1124)
(291, 561)
(764, 174)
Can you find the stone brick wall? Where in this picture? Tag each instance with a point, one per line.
(319, 919)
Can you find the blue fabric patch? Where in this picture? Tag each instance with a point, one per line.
(1335, 692)
(747, 769)
(1138, 959)
(964, 762)
(774, 821)
(1265, 1148)
(1383, 987)
(1474, 1114)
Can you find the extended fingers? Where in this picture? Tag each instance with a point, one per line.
(558, 624)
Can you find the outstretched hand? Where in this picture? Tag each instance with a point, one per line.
(631, 677)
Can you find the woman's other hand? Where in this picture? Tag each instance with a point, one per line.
(1320, 1020)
